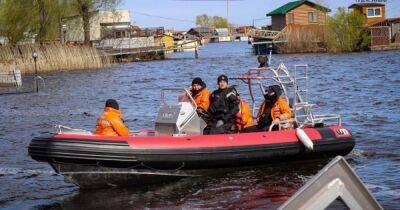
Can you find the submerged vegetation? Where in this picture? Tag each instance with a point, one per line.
(302, 39)
(52, 57)
(343, 32)
(346, 32)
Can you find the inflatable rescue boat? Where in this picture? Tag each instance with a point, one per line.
(176, 147)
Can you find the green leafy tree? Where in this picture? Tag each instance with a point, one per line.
(49, 14)
(346, 32)
(35, 17)
(15, 19)
(220, 22)
(85, 9)
(204, 21)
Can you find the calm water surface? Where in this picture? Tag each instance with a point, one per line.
(362, 87)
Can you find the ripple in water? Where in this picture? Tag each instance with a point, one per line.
(354, 85)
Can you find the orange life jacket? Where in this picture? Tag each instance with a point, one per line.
(202, 99)
(281, 107)
(111, 124)
(245, 117)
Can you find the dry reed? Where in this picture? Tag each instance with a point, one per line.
(302, 39)
(51, 57)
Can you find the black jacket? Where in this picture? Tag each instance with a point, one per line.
(224, 104)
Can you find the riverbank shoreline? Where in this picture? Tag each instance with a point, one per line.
(51, 58)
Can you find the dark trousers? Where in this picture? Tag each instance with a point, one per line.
(212, 128)
(255, 128)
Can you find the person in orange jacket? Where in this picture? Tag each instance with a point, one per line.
(244, 118)
(200, 94)
(111, 122)
(272, 110)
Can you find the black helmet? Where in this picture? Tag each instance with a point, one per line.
(276, 88)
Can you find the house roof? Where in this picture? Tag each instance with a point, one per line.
(294, 4)
(201, 31)
(386, 22)
(194, 32)
(366, 5)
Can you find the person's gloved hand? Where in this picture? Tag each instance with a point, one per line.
(282, 117)
(200, 110)
(220, 123)
(276, 121)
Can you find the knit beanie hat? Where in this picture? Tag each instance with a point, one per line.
(222, 78)
(112, 103)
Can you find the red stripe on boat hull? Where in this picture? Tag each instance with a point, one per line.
(209, 141)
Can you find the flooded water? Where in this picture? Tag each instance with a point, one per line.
(362, 87)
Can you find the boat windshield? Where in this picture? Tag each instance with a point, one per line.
(175, 96)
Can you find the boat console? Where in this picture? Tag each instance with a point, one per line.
(178, 118)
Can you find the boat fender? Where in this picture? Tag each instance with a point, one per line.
(304, 139)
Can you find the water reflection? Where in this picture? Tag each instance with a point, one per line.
(267, 186)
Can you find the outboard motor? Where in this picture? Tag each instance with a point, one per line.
(178, 119)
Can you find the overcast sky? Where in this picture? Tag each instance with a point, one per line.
(181, 14)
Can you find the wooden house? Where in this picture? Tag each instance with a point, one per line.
(302, 12)
(201, 32)
(384, 31)
(373, 12)
(165, 40)
(244, 29)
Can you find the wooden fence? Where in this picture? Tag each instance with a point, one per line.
(380, 35)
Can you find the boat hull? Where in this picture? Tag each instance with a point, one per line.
(89, 161)
(92, 177)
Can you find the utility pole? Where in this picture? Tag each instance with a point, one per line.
(227, 11)
(227, 17)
